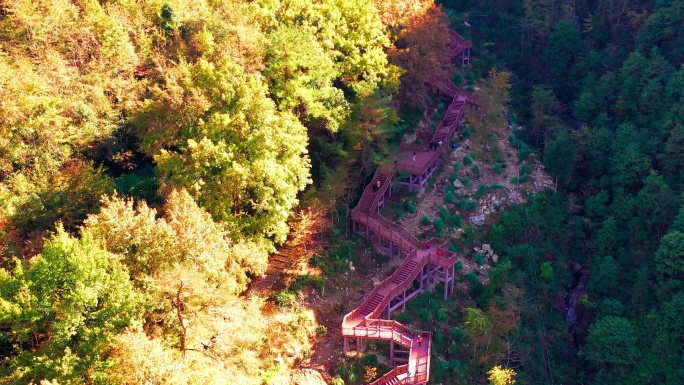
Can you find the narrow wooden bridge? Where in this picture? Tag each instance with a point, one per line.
(423, 266)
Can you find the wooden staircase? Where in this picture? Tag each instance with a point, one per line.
(365, 321)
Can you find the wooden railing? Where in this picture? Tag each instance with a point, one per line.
(354, 313)
(389, 376)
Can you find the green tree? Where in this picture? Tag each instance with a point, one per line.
(301, 75)
(559, 158)
(61, 309)
(669, 264)
(612, 347)
(241, 159)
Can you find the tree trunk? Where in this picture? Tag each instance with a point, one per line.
(179, 312)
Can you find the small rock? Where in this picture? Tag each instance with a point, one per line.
(486, 247)
(375, 281)
(458, 184)
(477, 220)
(495, 258)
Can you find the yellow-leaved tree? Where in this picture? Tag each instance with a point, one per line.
(501, 376)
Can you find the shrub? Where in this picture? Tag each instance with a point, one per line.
(521, 179)
(370, 359)
(479, 259)
(466, 182)
(453, 176)
(449, 197)
(497, 186)
(370, 375)
(458, 79)
(441, 315)
(337, 380)
(456, 221)
(399, 212)
(498, 168)
(524, 169)
(307, 279)
(466, 132)
(459, 265)
(283, 298)
(457, 167)
(467, 160)
(472, 277)
(424, 315)
(433, 126)
(481, 190)
(524, 152)
(453, 248)
(457, 335)
(411, 206)
(425, 221)
(444, 214)
(340, 308)
(476, 170)
(438, 337)
(467, 205)
(439, 225)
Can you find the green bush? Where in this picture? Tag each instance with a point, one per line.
(459, 265)
(458, 79)
(457, 335)
(465, 181)
(498, 168)
(444, 214)
(524, 169)
(456, 221)
(466, 132)
(424, 315)
(467, 160)
(449, 197)
(479, 259)
(521, 179)
(283, 298)
(441, 315)
(476, 170)
(457, 167)
(497, 186)
(453, 176)
(453, 248)
(411, 206)
(524, 152)
(482, 190)
(472, 277)
(439, 225)
(304, 280)
(369, 360)
(399, 212)
(467, 205)
(425, 221)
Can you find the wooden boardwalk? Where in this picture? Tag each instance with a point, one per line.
(423, 266)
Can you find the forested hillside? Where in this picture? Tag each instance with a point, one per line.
(598, 92)
(152, 154)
